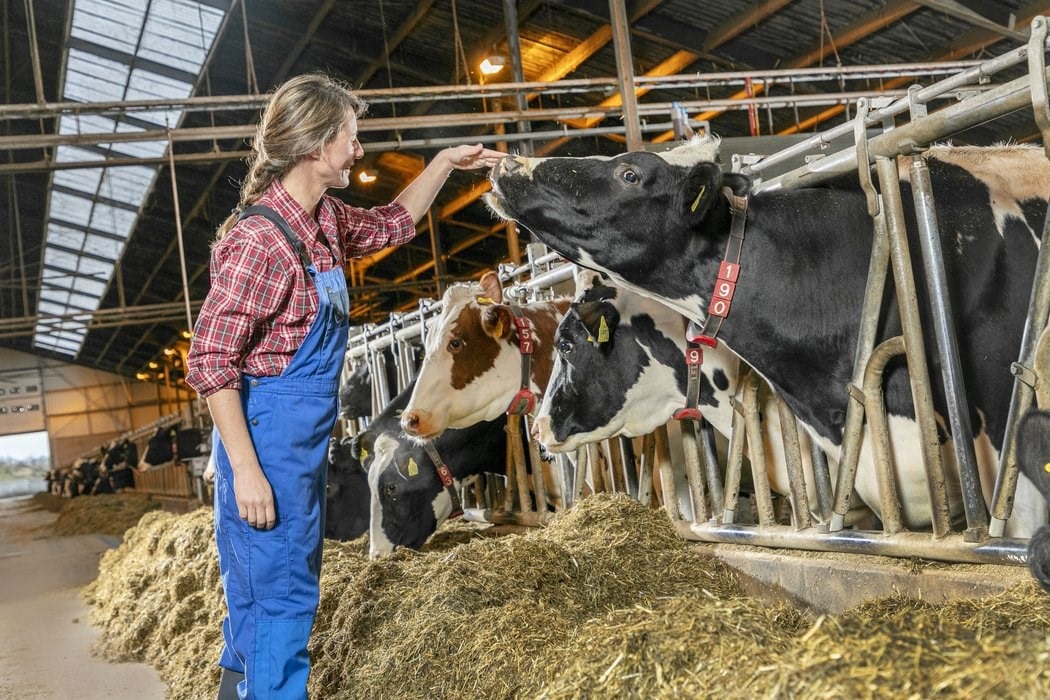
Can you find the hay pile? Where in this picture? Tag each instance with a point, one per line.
(45, 500)
(158, 599)
(606, 602)
(109, 514)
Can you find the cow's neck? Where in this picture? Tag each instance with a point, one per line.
(544, 318)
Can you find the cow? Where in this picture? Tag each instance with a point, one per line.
(661, 226)
(621, 370)
(347, 501)
(472, 369)
(408, 501)
(173, 444)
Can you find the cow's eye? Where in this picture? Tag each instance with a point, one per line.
(390, 490)
(565, 347)
(630, 176)
(455, 345)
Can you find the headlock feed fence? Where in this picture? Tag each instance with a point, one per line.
(700, 490)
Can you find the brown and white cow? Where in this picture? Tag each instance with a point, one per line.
(472, 370)
(662, 228)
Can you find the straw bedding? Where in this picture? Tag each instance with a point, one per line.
(606, 602)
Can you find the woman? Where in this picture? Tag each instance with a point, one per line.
(266, 354)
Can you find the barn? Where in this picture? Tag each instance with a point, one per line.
(686, 349)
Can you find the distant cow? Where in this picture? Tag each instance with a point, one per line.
(472, 370)
(621, 370)
(172, 443)
(408, 501)
(661, 225)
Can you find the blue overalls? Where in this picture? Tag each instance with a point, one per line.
(271, 577)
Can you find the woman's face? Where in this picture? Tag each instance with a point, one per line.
(339, 155)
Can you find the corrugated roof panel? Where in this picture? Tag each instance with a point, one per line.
(91, 78)
(147, 85)
(89, 286)
(71, 209)
(117, 221)
(82, 301)
(83, 180)
(109, 23)
(50, 307)
(127, 184)
(60, 259)
(66, 237)
(179, 34)
(89, 267)
(122, 50)
(85, 124)
(103, 247)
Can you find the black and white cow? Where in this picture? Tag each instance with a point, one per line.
(621, 370)
(408, 501)
(661, 225)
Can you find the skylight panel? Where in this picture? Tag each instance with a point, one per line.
(109, 23)
(128, 184)
(65, 237)
(89, 267)
(83, 179)
(103, 247)
(119, 50)
(89, 286)
(91, 78)
(70, 208)
(179, 34)
(112, 219)
(60, 259)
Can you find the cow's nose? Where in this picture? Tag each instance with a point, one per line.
(410, 422)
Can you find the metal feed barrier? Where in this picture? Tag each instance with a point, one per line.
(707, 508)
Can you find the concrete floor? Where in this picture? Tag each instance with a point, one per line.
(45, 635)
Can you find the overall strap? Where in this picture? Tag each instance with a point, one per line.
(279, 221)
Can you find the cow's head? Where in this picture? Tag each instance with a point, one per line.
(620, 369)
(633, 215)
(408, 500)
(472, 367)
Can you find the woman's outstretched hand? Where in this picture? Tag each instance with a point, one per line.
(472, 156)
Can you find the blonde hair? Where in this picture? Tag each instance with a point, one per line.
(304, 114)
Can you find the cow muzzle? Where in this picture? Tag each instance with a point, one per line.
(420, 424)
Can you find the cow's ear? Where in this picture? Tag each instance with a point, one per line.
(491, 287)
(600, 319)
(361, 448)
(497, 321)
(701, 189)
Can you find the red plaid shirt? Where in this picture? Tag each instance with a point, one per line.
(261, 302)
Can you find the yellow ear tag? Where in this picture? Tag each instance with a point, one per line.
(1046, 467)
(364, 454)
(499, 329)
(413, 468)
(696, 202)
(484, 301)
(603, 331)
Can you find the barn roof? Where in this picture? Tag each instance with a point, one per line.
(92, 266)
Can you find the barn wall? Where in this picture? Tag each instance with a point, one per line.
(81, 409)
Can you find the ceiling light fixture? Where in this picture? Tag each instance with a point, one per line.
(493, 65)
